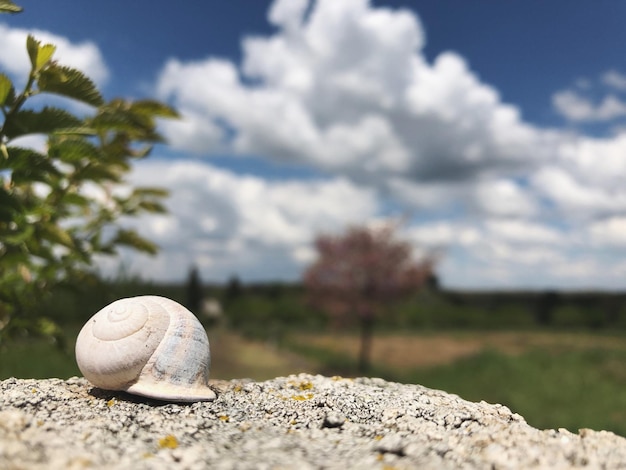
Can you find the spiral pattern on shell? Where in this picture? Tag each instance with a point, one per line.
(147, 345)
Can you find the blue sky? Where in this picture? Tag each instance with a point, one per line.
(496, 128)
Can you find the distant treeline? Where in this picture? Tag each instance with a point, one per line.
(567, 309)
(269, 310)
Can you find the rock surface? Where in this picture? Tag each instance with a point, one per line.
(300, 422)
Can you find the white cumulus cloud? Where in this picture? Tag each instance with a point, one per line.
(234, 224)
(347, 89)
(615, 79)
(344, 88)
(578, 108)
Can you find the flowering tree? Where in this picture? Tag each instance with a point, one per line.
(358, 274)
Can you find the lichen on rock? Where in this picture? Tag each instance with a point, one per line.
(343, 423)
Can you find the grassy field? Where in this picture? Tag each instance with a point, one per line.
(570, 380)
(418, 350)
(232, 356)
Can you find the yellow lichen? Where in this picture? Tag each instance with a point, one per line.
(305, 386)
(237, 388)
(111, 402)
(307, 396)
(300, 385)
(224, 418)
(168, 442)
(80, 462)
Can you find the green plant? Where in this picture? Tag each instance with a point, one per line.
(59, 207)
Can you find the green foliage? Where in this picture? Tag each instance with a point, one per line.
(270, 312)
(59, 206)
(7, 6)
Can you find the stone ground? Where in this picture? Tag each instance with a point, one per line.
(296, 422)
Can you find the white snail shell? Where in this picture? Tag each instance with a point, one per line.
(149, 346)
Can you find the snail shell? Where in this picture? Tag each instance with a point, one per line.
(149, 346)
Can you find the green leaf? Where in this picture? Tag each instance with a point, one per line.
(9, 206)
(29, 165)
(72, 149)
(75, 199)
(154, 108)
(150, 192)
(134, 240)
(22, 158)
(12, 258)
(39, 55)
(32, 46)
(57, 235)
(152, 207)
(5, 88)
(44, 55)
(45, 121)
(36, 247)
(69, 82)
(145, 199)
(120, 119)
(17, 237)
(7, 6)
(98, 173)
(77, 131)
(119, 115)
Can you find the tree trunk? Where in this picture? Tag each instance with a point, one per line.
(367, 326)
